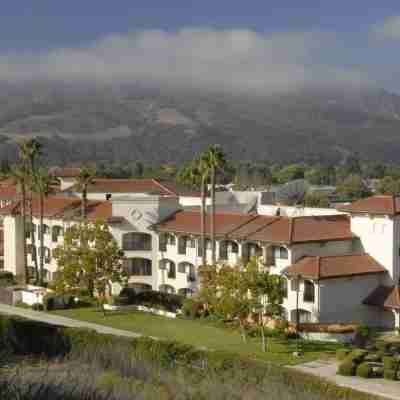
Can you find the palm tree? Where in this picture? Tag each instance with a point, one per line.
(21, 175)
(203, 173)
(30, 150)
(84, 179)
(43, 187)
(216, 162)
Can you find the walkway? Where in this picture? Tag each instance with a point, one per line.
(63, 321)
(327, 370)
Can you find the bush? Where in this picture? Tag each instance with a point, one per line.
(341, 354)
(6, 279)
(347, 368)
(192, 308)
(52, 301)
(357, 356)
(390, 374)
(37, 307)
(130, 293)
(364, 370)
(390, 363)
(166, 301)
(373, 358)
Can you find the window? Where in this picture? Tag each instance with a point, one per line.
(191, 242)
(56, 231)
(171, 270)
(284, 288)
(227, 247)
(281, 253)
(309, 292)
(199, 249)
(138, 267)
(182, 244)
(294, 284)
(136, 241)
(182, 268)
(29, 249)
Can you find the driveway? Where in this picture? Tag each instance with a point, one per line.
(327, 370)
(63, 321)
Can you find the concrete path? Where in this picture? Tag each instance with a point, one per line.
(327, 370)
(63, 321)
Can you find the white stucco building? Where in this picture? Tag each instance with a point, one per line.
(342, 266)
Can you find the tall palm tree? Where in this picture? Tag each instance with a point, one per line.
(203, 173)
(42, 187)
(30, 150)
(83, 180)
(21, 175)
(216, 162)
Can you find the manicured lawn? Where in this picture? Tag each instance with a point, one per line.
(202, 334)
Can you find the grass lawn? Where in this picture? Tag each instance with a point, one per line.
(203, 334)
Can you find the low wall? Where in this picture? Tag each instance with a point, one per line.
(329, 337)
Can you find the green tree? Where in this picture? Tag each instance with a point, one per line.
(389, 185)
(290, 173)
(21, 175)
(315, 199)
(215, 161)
(89, 258)
(84, 179)
(352, 188)
(30, 151)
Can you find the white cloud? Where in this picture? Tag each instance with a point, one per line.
(388, 29)
(238, 60)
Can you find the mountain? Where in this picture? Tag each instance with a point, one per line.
(131, 123)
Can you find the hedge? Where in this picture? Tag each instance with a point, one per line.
(341, 354)
(390, 363)
(347, 368)
(6, 279)
(390, 374)
(25, 336)
(364, 370)
(52, 301)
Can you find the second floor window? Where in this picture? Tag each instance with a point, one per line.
(136, 241)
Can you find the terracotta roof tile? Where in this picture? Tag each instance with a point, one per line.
(317, 268)
(67, 172)
(385, 204)
(385, 297)
(8, 192)
(263, 228)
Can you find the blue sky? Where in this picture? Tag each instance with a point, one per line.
(356, 38)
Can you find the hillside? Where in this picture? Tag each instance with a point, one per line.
(133, 123)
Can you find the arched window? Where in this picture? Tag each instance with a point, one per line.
(168, 265)
(166, 239)
(183, 244)
(281, 253)
(138, 267)
(136, 241)
(56, 231)
(166, 289)
(309, 292)
(46, 229)
(226, 247)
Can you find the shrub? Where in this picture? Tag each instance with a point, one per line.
(378, 372)
(390, 374)
(389, 362)
(6, 279)
(37, 307)
(347, 368)
(52, 301)
(192, 308)
(364, 370)
(373, 358)
(357, 356)
(341, 354)
(130, 293)
(383, 347)
(154, 299)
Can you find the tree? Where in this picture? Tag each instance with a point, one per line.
(215, 160)
(203, 171)
(30, 150)
(352, 188)
(389, 185)
(290, 173)
(83, 180)
(42, 187)
(315, 199)
(21, 175)
(89, 258)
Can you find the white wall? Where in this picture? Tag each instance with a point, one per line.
(13, 245)
(377, 239)
(341, 301)
(264, 209)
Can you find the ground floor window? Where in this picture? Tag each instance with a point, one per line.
(138, 267)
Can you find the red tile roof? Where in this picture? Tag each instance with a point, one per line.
(150, 186)
(262, 228)
(385, 297)
(318, 268)
(8, 192)
(64, 207)
(385, 204)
